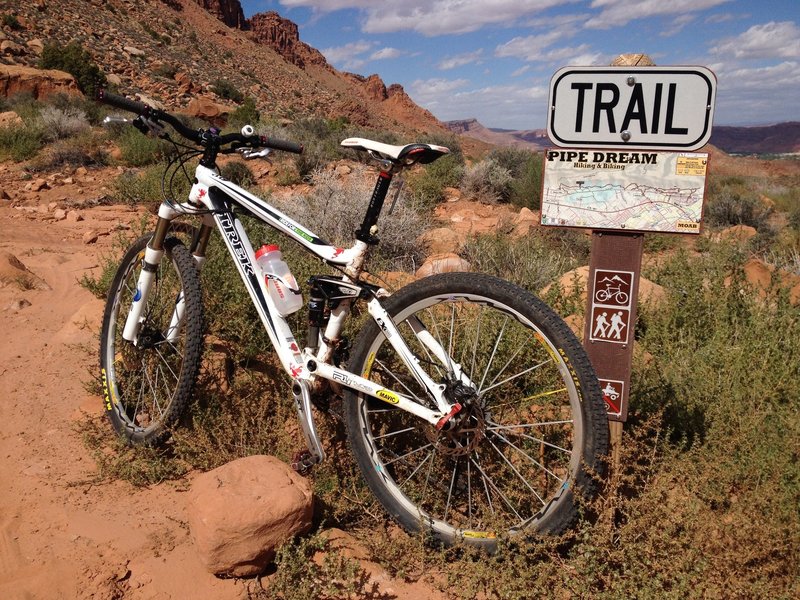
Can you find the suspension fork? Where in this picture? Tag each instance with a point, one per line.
(198, 250)
(153, 254)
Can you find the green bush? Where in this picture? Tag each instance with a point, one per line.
(237, 172)
(20, 142)
(525, 167)
(82, 151)
(73, 59)
(139, 150)
(246, 114)
(734, 201)
(11, 21)
(225, 89)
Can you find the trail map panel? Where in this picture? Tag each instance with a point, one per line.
(627, 191)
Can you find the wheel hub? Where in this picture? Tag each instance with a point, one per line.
(464, 431)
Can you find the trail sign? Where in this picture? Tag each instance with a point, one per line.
(636, 107)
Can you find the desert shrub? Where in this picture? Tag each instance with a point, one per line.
(486, 181)
(246, 114)
(525, 189)
(165, 70)
(532, 261)
(428, 184)
(60, 123)
(320, 139)
(145, 186)
(20, 142)
(11, 21)
(138, 149)
(335, 208)
(84, 150)
(237, 172)
(92, 110)
(225, 89)
(734, 201)
(76, 61)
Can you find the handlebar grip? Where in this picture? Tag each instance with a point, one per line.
(284, 145)
(122, 102)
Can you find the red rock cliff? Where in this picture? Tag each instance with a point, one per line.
(228, 11)
(281, 35)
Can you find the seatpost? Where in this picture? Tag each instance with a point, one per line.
(365, 233)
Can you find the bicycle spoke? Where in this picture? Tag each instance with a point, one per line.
(398, 380)
(520, 374)
(526, 455)
(516, 472)
(450, 490)
(386, 435)
(396, 458)
(475, 345)
(494, 351)
(529, 437)
(418, 467)
(488, 480)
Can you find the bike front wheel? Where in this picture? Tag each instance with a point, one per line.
(532, 434)
(147, 385)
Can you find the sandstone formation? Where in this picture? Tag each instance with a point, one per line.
(15, 79)
(281, 35)
(241, 512)
(228, 11)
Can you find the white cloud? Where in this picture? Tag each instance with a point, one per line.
(678, 23)
(615, 13)
(769, 40)
(528, 48)
(759, 95)
(433, 17)
(521, 71)
(511, 106)
(349, 55)
(459, 60)
(385, 53)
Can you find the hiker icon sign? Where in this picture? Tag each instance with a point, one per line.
(611, 306)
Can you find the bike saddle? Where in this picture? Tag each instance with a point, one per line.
(408, 154)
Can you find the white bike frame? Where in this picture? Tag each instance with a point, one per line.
(213, 196)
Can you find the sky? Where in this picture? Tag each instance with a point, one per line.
(493, 59)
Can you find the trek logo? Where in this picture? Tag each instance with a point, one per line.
(229, 228)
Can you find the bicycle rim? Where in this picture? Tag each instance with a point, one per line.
(513, 459)
(147, 385)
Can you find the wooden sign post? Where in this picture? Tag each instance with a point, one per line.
(613, 176)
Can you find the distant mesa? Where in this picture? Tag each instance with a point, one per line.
(782, 138)
(532, 139)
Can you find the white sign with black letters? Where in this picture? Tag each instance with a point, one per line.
(636, 107)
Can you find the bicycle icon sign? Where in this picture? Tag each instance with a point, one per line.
(611, 306)
(613, 287)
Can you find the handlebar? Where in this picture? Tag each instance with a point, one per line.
(201, 137)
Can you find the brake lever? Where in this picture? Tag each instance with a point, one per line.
(110, 121)
(251, 154)
(148, 126)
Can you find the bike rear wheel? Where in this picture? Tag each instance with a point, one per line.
(533, 432)
(146, 386)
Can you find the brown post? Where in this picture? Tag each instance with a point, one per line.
(613, 285)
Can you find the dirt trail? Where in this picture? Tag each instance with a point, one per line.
(63, 534)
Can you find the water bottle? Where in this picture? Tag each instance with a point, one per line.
(270, 261)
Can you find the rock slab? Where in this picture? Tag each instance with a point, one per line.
(241, 512)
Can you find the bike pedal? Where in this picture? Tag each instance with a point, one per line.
(302, 462)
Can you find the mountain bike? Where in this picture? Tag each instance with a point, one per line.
(471, 409)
